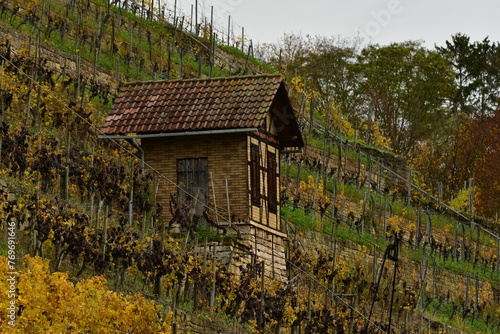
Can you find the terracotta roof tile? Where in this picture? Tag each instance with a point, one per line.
(196, 104)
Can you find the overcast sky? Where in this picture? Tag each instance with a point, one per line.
(379, 21)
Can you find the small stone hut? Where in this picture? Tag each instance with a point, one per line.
(218, 141)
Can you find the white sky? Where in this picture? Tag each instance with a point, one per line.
(380, 21)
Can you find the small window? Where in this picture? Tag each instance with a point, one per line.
(255, 174)
(192, 177)
(272, 183)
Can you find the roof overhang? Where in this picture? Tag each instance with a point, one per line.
(177, 134)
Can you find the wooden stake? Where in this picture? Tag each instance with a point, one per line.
(370, 172)
(228, 206)
(228, 28)
(2, 112)
(212, 42)
(309, 305)
(262, 293)
(428, 229)
(417, 228)
(205, 247)
(66, 171)
(105, 233)
(213, 197)
(334, 259)
(463, 255)
(409, 187)
(363, 214)
(358, 176)
(314, 198)
(242, 39)
(372, 218)
(455, 241)
(180, 63)
(379, 179)
(214, 269)
(476, 299)
(385, 217)
(334, 198)
(196, 18)
(498, 255)
(464, 306)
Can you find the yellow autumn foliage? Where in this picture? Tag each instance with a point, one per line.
(394, 223)
(378, 138)
(461, 201)
(308, 191)
(51, 303)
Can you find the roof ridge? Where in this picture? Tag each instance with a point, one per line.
(253, 76)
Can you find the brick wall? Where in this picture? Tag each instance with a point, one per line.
(227, 158)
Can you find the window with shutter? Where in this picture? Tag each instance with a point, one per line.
(255, 174)
(272, 183)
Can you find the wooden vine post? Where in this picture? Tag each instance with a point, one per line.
(334, 200)
(363, 213)
(372, 218)
(311, 114)
(464, 305)
(455, 241)
(358, 175)
(334, 257)
(262, 293)
(370, 172)
(309, 304)
(462, 250)
(409, 186)
(417, 229)
(313, 210)
(214, 269)
(2, 110)
(379, 178)
(476, 299)
(498, 255)
(428, 229)
(423, 271)
(66, 170)
(297, 182)
(339, 165)
(105, 233)
(131, 195)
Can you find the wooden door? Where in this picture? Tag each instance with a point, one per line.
(192, 177)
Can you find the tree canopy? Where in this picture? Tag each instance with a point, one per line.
(477, 74)
(430, 104)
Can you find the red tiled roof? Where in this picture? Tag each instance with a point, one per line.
(193, 105)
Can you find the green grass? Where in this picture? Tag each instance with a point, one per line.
(238, 53)
(294, 170)
(305, 220)
(443, 315)
(453, 266)
(317, 140)
(299, 217)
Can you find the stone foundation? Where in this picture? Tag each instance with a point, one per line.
(255, 242)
